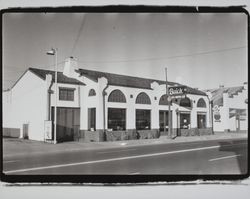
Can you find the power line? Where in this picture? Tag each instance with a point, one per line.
(78, 34)
(164, 58)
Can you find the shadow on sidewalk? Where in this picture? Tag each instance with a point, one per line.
(240, 149)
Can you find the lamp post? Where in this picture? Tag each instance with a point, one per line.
(54, 52)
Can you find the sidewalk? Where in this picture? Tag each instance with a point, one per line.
(19, 147)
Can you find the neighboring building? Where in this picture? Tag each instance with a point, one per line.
(98, 106)
(230, 105)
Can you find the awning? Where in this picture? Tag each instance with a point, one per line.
(235, 112)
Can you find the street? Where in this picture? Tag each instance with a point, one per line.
(227, 156)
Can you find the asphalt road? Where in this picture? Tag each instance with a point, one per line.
(202, 157)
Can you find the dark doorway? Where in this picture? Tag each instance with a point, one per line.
(92, 119)
(68, 124)
(163, 121)
(26, 131)
(201, 120)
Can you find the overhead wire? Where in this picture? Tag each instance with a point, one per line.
(78, 34)
(165, 58)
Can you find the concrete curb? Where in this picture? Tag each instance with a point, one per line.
(45, 148)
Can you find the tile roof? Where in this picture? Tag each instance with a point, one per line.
(217, 94)
(60, 77)
(113, 79)
(130, 81)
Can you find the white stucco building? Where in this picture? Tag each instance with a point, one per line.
(98, 106)
(230, 108)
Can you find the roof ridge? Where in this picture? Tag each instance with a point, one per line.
(117, 79)
(127, 75)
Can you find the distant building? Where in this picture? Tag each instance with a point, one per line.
(98, 106)
(230, 105)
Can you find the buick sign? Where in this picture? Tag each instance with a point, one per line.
(180, 90)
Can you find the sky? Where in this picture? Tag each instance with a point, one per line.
(199, 50)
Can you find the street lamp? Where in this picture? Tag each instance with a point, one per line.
(54, 52)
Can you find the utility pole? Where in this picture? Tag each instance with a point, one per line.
(169, 107)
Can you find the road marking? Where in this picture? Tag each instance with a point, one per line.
(114, 159)
(225, 157)
(135, 173)
(11, 161)
(102, 152)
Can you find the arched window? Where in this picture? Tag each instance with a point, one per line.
(185, 102)
(143, 98)
(164, 100)
(117, 96)
(201, 103)
(92, 92)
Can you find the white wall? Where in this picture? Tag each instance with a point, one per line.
(92, 102)
(237, 102)
(27, 104)
(157, 91)
(62, 103)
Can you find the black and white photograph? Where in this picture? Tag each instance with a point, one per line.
(125, 93)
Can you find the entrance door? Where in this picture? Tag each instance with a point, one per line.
(163, 122)
(68, 123)
(26, 131)
(91, 119)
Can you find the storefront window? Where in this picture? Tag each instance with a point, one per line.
(143, 118)
(116, 119)
(185, 120)
(201, 120)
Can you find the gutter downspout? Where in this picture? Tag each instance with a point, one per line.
(49, 93)
(211, 113)
(104, 108)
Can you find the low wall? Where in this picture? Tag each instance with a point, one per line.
(192, 132)
(91, 136)
(148, 134)
(121, 135)
(132, 134)
(11, 132)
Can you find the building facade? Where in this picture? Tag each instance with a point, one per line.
(230, 108)
(98, 106)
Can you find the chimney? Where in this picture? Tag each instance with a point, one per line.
(70, 67)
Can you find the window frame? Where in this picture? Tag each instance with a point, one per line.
(67, 89)
(92, 92)
(164, 100)
(140, 100)
(136, 119)
(189, 101)
(188, 125)
(119, 99)
(123, 126)
(203, 103)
